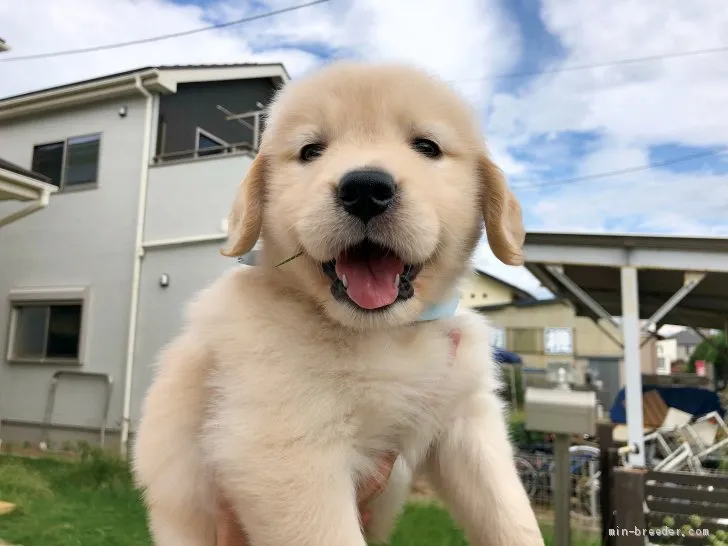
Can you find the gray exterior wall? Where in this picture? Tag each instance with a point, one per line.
(190, 268)
(83, 239)
(185, 199)
(190, 198)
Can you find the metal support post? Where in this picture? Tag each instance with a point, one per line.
(632, 368)
(562, 491)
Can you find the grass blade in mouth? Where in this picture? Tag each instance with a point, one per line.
(290, 259)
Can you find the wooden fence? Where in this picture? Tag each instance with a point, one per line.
(639, 503)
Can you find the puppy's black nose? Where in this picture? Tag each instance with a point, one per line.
(366, 193)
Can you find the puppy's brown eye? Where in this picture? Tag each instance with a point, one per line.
(427, 148)
(311, 151)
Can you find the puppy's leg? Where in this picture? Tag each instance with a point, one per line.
(387, 506)
(168, 461)
(172, 529)
(301, 497)
(472, 468)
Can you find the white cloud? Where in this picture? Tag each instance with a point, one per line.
(674, 99)
(455, 40)
(680, 101)
(633, 106)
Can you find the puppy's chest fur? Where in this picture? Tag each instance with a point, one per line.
(294, 384)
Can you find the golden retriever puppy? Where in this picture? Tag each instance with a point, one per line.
(290, 380)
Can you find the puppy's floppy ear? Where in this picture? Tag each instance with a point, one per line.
(502, 214)
(246, 216)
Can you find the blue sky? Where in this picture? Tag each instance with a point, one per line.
(556, 132)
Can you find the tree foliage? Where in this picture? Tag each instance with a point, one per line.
(715, 350)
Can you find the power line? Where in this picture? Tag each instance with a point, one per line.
(574, 68)
(161, 37)
(617, 172)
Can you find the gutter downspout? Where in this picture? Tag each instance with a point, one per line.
(136, 274)
(38, 204)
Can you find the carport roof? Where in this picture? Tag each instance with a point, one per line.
(22, 184)
(593, 261)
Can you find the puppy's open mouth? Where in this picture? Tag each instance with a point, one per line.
(370, 276)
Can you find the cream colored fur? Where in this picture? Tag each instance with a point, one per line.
(282, 398)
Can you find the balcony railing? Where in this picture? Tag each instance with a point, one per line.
(213, 151)
(251, 120)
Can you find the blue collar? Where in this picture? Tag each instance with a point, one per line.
(442, 310)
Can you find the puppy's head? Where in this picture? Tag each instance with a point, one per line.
(379, 178)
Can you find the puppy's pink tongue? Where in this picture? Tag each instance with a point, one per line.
(371, 280)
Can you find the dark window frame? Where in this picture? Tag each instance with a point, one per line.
(49, 299)
(62, 185)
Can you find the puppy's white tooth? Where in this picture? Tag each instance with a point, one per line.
(396, 281)
(344, 281)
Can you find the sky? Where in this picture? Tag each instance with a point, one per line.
(558, 104)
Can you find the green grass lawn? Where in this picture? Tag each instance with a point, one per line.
(92, 502)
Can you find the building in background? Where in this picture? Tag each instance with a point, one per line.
(677, 348)
(145, 164)
(548, 332)
(685, 343)
(480, 288)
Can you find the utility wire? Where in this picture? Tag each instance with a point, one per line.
(574, 68)
(161, 37)
(634, 60)
(617, 172)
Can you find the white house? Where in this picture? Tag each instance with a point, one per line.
(144, 165)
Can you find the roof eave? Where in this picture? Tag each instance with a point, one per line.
(175, 75)
(160, 80)
(524, 294)
(82, 93)
(22, 187)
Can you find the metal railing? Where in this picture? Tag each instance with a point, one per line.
(251, 120)
(108, 385)
(213, 151)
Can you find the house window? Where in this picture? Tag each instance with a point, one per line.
(208, 144)
(558, 341)
(498, 337)
(70, 163)
(525, 340)
(662, 367)
(46, 329)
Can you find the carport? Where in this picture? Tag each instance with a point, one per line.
(624, 279)
(19, 184)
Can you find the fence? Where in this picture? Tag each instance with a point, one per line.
(668, 508)
(535, 465)
(642, 506)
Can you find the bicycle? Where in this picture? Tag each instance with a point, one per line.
(538, 480)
